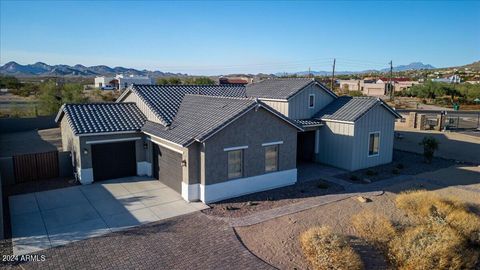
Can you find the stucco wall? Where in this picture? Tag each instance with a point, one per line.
(253, 129)
(70, 142)
(335, 144)
(298, 104)
(377, 119)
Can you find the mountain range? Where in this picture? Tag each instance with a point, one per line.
(411, 66)
(42, 69)
(45, 70)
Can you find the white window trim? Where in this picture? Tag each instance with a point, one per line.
(235, 148)
(368, 148)
(311, 95)
(272, 143)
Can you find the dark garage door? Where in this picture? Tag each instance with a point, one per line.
(113, 160)
(167, 167)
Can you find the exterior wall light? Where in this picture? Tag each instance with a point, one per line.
(184, 163)
(145, 145)
(85, 151)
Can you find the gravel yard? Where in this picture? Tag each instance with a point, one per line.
(248, 204)
(406, 163)
(277, 241)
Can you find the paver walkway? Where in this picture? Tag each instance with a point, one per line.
(295, 208)
(193, 241)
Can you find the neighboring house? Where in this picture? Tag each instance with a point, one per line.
(121, 81)
(235, 80)
(451, 79)
(376, 88)
(214, 142)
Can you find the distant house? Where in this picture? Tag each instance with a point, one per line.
(121, 81)
(450, 79)
(214, 142)
(376, 87)
(235, 80)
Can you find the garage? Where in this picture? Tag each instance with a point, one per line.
(113, 160)
(167, 167)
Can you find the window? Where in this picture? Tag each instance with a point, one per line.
(271, 158)
(374, 144)
(235, 164)
(311, 101)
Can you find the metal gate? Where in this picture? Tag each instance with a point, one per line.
(37, 166)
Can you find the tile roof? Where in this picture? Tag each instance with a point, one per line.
(164, 100)
(280, 88)
(350, 109)
(309, 122)
(102, 117)
(198, 116)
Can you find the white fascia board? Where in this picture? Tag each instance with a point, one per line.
(114, 140)
(107, 133)
(338, 121)
(167, 146)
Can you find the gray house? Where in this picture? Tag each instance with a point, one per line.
(215, 142)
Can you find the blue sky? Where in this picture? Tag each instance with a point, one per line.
(227, 37)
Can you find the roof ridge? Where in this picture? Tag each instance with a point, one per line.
(97, 103)
(220, 97)
(192, 85)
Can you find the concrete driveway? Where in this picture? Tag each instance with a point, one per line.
(57, 217)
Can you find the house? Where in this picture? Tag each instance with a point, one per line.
(121, 81)
(243, 80)
(213, 142)
(376, 88)
(450, 79)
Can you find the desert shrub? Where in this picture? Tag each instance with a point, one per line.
(322, 185)
(374, 228)
(431, 246)
(327, 250)
(371, 173)
(430, 145)
(428, 206)
(466, 223)
(353, 177)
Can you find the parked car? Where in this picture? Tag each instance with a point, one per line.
(108, 87)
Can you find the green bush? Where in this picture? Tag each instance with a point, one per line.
(430, 145)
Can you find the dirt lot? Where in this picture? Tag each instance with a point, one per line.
(452, 145)
(260, 201)
(404, 163)
(277, 241)
(30, 142)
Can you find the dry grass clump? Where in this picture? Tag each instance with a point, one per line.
(374, 228)
(429, 207)
(431, 246)
(327, 250)
(441, 233)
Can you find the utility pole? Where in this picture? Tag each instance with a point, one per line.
(309, 73)
(333, 75)
(390, 83)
